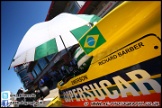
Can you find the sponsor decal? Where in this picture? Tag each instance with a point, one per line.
(120, 89)
(121, 53)
(80, 79)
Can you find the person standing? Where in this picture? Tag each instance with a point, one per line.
(41, 82)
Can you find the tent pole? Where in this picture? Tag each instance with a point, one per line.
(65, 46)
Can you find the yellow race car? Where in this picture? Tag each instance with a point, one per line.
(119, 60)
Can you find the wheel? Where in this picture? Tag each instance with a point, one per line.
(45, 91)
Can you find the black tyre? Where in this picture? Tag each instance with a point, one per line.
(45, 91)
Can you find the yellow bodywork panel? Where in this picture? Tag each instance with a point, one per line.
(56, 102)
(127, 22)
(131, 34)
(130, 31)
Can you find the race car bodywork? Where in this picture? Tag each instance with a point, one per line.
(126, 65)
